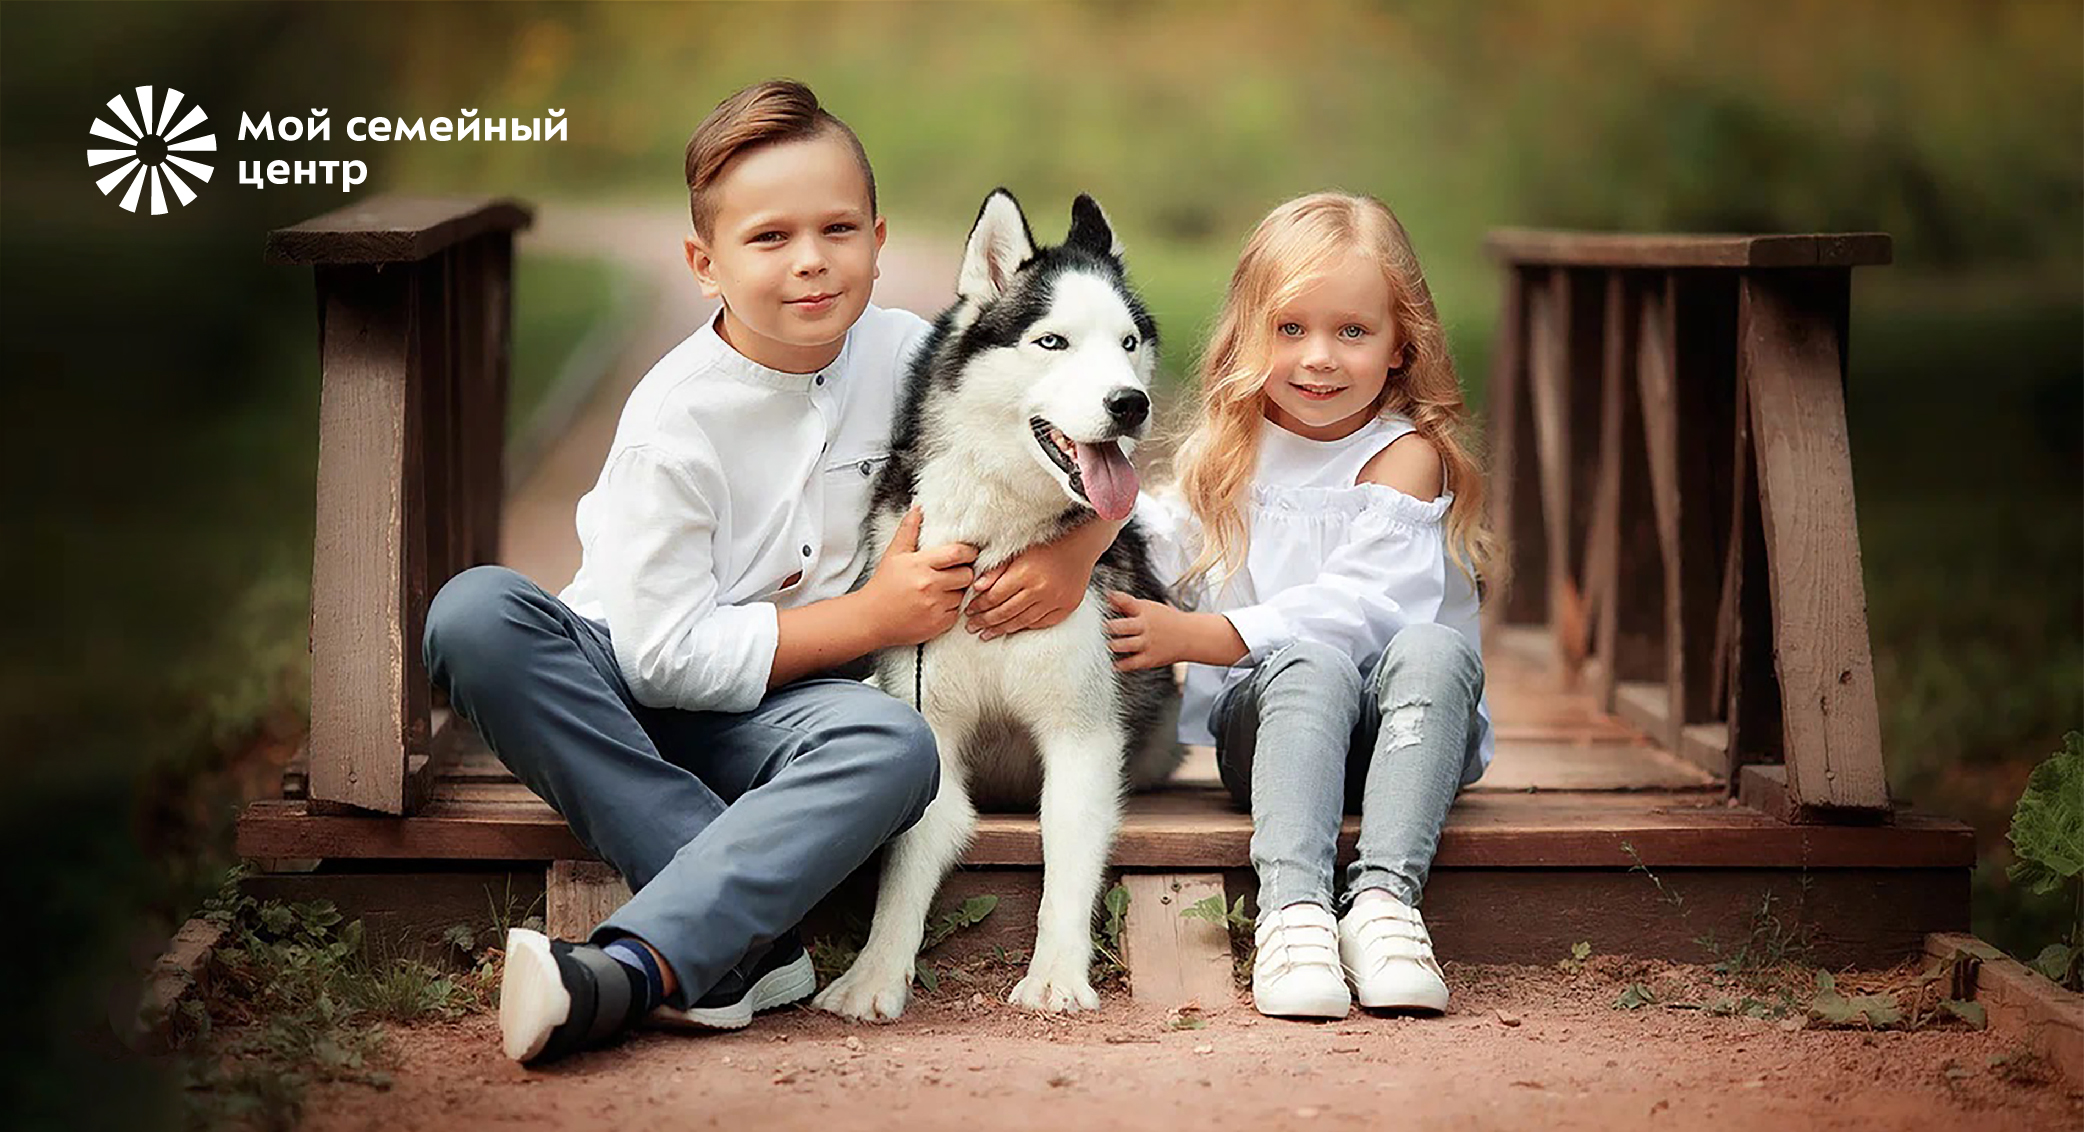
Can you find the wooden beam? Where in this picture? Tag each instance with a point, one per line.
(1193, 830)
(1745, 621)
(1623, 565)
(1527, 247)
(578, 895)
(367, 712)
(1563, 343)
(2020, 1003)
(393, 229)
(1791, 359)
(1515, 482)
(1687, 370)
(1174, 960)
(487, 312)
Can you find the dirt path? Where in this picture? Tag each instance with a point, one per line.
(538, 538)
(1523, 1048)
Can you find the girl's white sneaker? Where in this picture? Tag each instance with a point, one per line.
(1384, 946)
(1295, 969)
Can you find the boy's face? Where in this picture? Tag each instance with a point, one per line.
(792, 252)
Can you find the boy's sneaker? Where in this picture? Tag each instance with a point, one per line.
(1295, 967)
(557, 998)
(1384, 946)
(782, 976)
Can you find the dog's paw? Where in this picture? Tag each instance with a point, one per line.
(1056, 993)
(867, 992)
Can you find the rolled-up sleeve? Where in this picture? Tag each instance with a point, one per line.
(1390, 572)
(655, 553)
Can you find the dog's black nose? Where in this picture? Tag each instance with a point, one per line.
(1128, 407)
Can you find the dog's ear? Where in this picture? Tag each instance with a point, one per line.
(1090, 229)
(999, 243)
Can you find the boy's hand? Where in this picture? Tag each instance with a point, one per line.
(916, 594)
(1041, 585)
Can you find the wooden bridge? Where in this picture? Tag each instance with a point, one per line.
(1688, 745)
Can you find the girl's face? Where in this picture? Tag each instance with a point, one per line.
(1332, 350)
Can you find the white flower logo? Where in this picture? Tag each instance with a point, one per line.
(150, 149)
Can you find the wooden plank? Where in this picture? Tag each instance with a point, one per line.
(1646, 706)
(1656, 388)
(1791, 359)
(1764, 788)
(365, 710)
(1687, 357)
(1549, 378)
(393, 229)
(1869, 918)
(1745, 623)
(436, 343)
(1704, 371)
(1198, 829)
(1584, 360)
(1515, 483)
(1174, 960)
(2020, 1002)
(1526, 247)
(578, 895)
(407, 912)
(489, 262)
(1604, 765)
(1706, 745)
(1626, 565)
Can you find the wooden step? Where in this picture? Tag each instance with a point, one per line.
(1197, 827)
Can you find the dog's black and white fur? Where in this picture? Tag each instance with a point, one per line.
(1010, 435)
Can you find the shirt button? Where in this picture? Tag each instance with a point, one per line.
(865, 467)
(821, 379)
(806, 550)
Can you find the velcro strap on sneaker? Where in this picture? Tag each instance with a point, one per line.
(611, 982)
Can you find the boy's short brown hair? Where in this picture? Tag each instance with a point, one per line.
(778, 110)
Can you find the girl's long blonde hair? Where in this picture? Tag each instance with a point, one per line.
(1294, 245)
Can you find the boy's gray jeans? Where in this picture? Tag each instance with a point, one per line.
(1305, 738)
(727, 826)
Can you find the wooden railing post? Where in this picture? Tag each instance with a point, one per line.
(1674, 405)
(413, 324)
(1791, 359)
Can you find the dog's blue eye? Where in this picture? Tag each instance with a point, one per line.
(1052, 342)
(1129, 342)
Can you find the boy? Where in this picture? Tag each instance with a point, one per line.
(669, 702)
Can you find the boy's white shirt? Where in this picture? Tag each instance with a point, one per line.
(1343, 563)
(724, 479)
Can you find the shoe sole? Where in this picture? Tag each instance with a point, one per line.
(1329, 1011)
(779, 987)
(1418, 998)
(533, 1000)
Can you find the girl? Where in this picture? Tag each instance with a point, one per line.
(1327, 530)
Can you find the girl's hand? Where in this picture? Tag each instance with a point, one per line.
(1041, 585)
(1152, 634)
(1146, 634)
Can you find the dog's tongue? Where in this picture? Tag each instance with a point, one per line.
(1110, 482)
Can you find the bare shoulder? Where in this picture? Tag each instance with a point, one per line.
(1410, 464)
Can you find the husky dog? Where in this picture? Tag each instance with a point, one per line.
(1012, 433)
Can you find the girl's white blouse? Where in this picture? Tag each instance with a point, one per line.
(1331, 560)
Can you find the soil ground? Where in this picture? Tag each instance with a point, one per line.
(1521, 1047)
